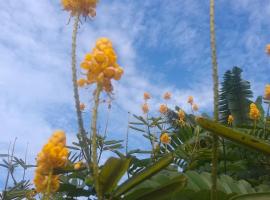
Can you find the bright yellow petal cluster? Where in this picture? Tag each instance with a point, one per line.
(267, 92)
(163, 109)
(254, 112)
(81, 7)
(145, 108)
(101, 65)
(165, 138)
(167, 96)
(52, 156)
(230, 120)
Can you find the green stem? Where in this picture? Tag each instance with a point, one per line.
(265, 121)
(215, 90)
(94, 140)
(82, 135)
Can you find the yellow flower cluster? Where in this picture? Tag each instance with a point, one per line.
(165, 138)
(230, 119)
(267, 92)
(146, 96)
(81, 7)
(101, 65)
(82, 106)
(163, 109)
(145, 108)
(254, 112)
(181, 116)
(267, 49)
(167, 96)
(53, 155)
(190, 100)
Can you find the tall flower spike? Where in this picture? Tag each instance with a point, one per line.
(80, 7)
(267, 92)
(101, 65)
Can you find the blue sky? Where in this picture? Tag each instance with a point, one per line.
(162, 46)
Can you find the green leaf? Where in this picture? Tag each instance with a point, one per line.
(162, 192)
(112, 172)
(255, 196)
(236, 136)
(143, 175)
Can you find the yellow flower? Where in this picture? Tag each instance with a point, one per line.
(267, 92)
(80, 7)
(230, 119)
(267, 49)
(146, 96)
(82, 106)
(181, 116)
(254, 112)
(167, 95)
(145, 108)
(52, 156)
(101, 66)
(163, 109)
(195, 107)
(81, 82)
(190, 100)
(165, 138)
(78, 165)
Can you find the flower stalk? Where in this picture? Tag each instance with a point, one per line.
(94, 140)
(215, 91)
(82, 135)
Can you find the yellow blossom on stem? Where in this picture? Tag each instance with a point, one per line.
(230, 119)
(254, 112)
(78, 165)
(145, 108)
(146, 96)
(81, 82)
(267, 92)
(163, 109)
(165, 138)
(52, 156)
(181, 116)
(101, 65)
(190, 100)
(267, 49)
(82, 106)
(167, 96)
(195, 107)
(80, 7)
